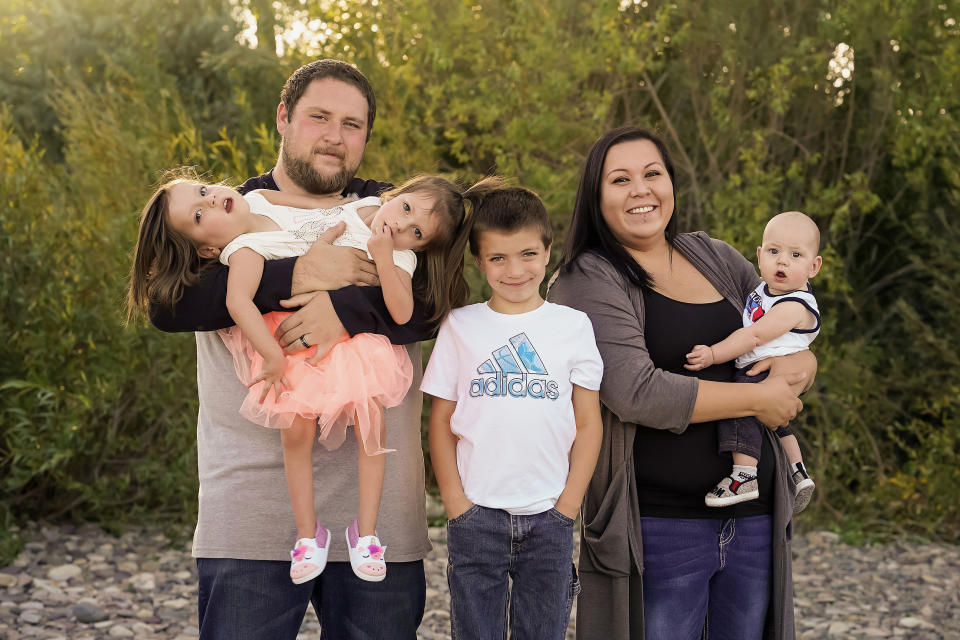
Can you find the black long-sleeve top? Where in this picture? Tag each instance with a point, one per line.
(203, 306)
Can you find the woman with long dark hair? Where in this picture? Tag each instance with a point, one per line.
(651, 294)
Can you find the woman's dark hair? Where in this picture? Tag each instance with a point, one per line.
(588, 230)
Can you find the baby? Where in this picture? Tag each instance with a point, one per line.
(780, 318)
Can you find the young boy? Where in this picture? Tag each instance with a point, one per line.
(780, 317)
(514, 431)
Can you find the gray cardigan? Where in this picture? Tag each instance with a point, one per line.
(635, 392)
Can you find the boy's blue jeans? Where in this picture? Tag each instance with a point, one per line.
(488, 545)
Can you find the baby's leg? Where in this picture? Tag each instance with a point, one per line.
(370, 470)
(743, 460)
(741, 437)
(298, 467)
(792, 447)
(803, 483)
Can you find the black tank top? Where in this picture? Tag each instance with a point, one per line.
(675, 471)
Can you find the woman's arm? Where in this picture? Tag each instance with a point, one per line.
(803, 361)
(246, 267)
(633, 388)
(443, 454)
(584, 452)
(774, 401)
(637, 391)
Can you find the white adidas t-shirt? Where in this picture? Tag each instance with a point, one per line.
(512, 378)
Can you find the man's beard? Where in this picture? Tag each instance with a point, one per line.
(305, 176)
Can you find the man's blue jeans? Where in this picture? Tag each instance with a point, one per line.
(255, 600)
(488, 545)
(709, 571)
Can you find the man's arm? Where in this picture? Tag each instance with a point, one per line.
(362, 310)
(203, 306)
(296, 200)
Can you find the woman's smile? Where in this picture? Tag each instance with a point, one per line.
(636, 195)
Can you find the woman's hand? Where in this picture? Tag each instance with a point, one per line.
(778, 403)
(801, 361)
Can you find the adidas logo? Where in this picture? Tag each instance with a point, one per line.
(512, 371)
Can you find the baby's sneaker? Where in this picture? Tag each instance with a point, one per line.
(366, 555)
(732, 490)
(803, 490)
(309, 556)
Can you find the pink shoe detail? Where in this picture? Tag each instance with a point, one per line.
(309, 556)
(366, 555)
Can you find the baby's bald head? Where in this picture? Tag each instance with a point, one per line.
(795, 225)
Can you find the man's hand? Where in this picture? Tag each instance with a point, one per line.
(700, 358)
(326, 267)
(317, 323)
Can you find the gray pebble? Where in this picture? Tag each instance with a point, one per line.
(87, 611)
(31, 616)
(64, 572)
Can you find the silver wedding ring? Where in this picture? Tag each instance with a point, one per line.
(303, 341)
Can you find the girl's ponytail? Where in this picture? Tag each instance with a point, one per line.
(443, 286)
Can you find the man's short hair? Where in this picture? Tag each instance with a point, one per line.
(510, 209)
(299, 80)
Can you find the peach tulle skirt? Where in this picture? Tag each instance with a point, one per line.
(348, 386)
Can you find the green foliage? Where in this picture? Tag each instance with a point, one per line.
(97, 419)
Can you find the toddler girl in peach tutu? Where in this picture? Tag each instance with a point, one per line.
(187, 223)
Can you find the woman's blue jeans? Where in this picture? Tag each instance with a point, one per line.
(709, 572)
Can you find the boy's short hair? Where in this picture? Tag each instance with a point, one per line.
(509, 209)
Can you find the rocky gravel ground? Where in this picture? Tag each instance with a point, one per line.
(81, 583)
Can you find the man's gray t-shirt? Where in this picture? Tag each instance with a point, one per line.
(244, 505)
